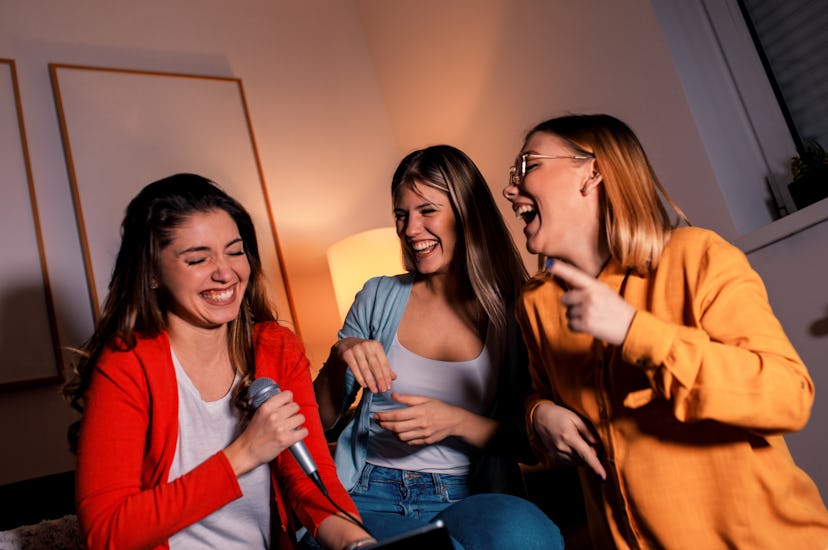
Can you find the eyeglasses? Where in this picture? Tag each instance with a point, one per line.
(518, 171)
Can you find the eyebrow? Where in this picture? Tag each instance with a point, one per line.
(201, 248)
(420, 206)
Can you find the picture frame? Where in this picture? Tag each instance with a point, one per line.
(29, 342)
(124, 128)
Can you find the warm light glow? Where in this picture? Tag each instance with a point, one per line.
(357, 258)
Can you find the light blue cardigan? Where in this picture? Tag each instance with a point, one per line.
(375, 315)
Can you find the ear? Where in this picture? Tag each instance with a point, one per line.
(592, 181)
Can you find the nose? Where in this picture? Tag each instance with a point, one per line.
(222, 272)
(413, 226)
(510, 191)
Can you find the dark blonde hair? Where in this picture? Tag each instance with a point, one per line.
(133, 308)
(636, 223)
(490, 260)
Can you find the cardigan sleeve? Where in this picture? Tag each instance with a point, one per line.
(123, 497)
(357, 325)
(281, 356)
(735, 364)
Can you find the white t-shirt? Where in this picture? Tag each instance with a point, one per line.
(466, 384)
(204, 429)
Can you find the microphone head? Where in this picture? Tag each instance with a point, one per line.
(261, 390)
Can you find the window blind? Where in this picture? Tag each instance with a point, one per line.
(792, 38)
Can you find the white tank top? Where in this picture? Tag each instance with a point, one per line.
(466, 384)
(204, 428)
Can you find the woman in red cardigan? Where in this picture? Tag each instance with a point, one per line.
(170, 452)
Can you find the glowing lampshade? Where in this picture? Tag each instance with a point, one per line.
(357, 258)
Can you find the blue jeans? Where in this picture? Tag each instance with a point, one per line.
(395, 501)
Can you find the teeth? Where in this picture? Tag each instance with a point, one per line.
(526, 212)
(218, 296)
(422, 245)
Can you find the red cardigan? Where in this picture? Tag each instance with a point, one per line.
(128, 438)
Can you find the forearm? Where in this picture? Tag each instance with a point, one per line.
(475, 429)
(338, 532)
(118, 518)
(329, 388)
(756, 382)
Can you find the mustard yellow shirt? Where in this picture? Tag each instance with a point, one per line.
(689, 411)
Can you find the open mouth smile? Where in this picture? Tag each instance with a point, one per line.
(526, 212)
(422, 248)
(219, 297)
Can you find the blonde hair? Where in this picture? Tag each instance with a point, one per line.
(636, 222)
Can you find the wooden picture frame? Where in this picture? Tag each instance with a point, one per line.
(123, 129)
(29, 342)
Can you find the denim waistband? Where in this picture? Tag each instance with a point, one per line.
(410, 477)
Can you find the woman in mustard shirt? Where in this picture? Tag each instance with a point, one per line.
(657, 361)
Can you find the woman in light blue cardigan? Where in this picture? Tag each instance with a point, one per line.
(439, 429)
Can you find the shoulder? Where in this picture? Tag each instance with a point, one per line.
(704, 261)
(388, 283)
(695, 245)
(694, 237)
(379, 289)
(271, 333)
(277, 350)
(145, 350)
(146, 365)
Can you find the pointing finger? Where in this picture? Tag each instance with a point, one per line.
(570, 274)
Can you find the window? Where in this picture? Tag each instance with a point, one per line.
(746, 132)
(792, 40)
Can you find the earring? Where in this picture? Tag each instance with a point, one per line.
(153, 285)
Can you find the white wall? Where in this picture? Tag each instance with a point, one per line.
(794, 271)
(338, 91)
(318, 118)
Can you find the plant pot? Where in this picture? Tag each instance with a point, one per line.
(808, 190)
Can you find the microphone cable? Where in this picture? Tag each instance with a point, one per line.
(318, 481)
(260, 391)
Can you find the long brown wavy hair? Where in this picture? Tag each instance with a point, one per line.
(134, 309)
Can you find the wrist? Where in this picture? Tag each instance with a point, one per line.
(534, 410)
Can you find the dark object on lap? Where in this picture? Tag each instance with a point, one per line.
(433, 536)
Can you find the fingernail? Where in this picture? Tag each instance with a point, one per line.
(549, 263)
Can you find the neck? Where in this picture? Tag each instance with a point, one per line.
(449, 286)
(205, 343)
(590, 260)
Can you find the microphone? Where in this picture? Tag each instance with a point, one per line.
(260, 391)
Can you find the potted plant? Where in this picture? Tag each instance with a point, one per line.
(810, 175)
